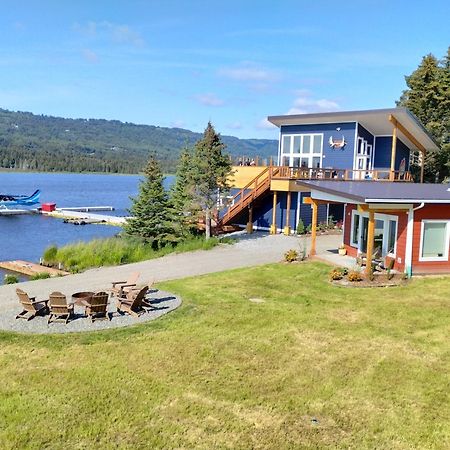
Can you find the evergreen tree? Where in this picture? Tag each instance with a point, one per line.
(151, 217)
(210, 171)
(428, 97)
(182, 194)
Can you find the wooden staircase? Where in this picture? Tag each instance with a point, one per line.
(257, 187)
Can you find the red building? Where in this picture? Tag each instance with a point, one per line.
(406, 221)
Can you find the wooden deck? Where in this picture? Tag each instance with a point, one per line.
(28, 268)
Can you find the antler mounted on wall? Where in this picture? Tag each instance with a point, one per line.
(337, 144)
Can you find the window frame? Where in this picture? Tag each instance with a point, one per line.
(295, 154)
(386, 218)
(446, 241)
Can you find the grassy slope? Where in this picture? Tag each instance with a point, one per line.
(222, 372)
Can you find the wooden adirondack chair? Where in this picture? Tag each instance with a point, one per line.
(118, 286)
(30, 306)
(133, 303)
(60, 310)
(97, 307)
(127, 289)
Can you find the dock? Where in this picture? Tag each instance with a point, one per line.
(87, 208)
(30, 269)
(85, 218)
(15, 212)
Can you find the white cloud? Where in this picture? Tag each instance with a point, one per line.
(235, 126)
(305, 104)
(209, 99)
(178, 124)
(90, 56)
(250, 72)
(264, 124)
(122, 34)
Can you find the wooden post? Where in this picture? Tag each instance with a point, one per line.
(370, 241)
(273, 227)
(422, 165)
(394, 149)
(287, 228)
(313, 227)
(250, 219)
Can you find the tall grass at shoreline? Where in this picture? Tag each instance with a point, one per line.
(115, 251)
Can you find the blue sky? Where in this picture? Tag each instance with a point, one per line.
(182, 63)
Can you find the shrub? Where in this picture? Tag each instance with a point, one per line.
(50, 254)
(354, 276)
(11, 279)
(40, 276)
(308, 228)
(291, 256)
(301, 227)
(338, 273)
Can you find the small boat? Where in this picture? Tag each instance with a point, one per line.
(32, 199)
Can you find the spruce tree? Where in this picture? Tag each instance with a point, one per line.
(211, 169)
(428, 97)
(151, 217)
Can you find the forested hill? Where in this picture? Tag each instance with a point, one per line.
(45, 143)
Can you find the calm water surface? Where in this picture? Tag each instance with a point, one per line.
(26, 237)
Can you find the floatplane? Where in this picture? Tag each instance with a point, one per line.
(7, 200)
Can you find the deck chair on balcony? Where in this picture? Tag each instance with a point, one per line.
(118, 286)
(31, 307)
(97, 308)
(133, 303)
(60, 310)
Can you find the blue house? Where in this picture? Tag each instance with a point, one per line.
(366, 146)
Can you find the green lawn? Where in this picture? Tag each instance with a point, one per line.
(370, 365)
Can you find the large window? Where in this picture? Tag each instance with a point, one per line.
(302, 150)
(434, 240)
(385, 233)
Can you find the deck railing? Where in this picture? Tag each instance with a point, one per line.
(300, 173)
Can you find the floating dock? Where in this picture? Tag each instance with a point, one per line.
(84, 218)
(28, 268)
(15, 212)
(87, 208)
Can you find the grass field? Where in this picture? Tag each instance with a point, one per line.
(309, 365)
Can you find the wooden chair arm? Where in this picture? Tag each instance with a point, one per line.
(118, 282)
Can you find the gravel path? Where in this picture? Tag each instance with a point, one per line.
(250, 250)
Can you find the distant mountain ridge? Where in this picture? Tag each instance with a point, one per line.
(45, 143)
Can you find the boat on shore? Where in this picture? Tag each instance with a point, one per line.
(10, 200)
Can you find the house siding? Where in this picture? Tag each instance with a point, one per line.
(437, 211)
(331, 158)
(383, 150)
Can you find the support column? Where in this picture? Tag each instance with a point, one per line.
(273, 227)
(250, 219)
(422, 165)
(287, 228)
(393, 152)
(370, 241)
(314, 206)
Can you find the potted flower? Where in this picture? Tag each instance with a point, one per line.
(342, 250)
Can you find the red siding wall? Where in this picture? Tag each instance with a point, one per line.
(401, 236)
(437, 211)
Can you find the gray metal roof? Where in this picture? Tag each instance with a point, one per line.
(382, 191)
(376, 121)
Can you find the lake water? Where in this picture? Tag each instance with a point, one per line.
(26, 237)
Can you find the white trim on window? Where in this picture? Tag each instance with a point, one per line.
(444, 257)
(385, 218)
(311, 155)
